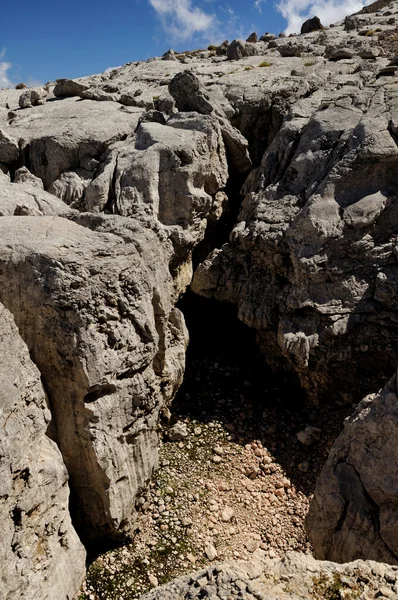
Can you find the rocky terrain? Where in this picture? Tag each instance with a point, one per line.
(263, 175)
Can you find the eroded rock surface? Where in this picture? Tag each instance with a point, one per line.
(40, 554)
(354, 510)
(295, 577)
(122, 174)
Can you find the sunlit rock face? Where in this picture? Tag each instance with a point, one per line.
(108, 186)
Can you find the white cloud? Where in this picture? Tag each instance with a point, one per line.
(297, 11)
(182, 20)
(257, 4)
(4, 68)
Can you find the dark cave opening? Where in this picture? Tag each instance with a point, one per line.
(227, 379)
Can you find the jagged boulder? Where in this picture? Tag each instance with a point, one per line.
(354, 510)
(252, 39)
(33, 97)
(239, 49)
(188, 93)
(310, 25)
(65, 88)
(40, 553)
(222, 48)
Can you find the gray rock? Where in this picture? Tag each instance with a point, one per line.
(239, 49)
(178, 432)
(222, 48)
(65, 88)
(40, 553)
(33, 97)
(252, 39)
(310, 25)
(294, 577)
(23, 175)
(309, 436)
(353, 512)
(188, 93)
(9, 150)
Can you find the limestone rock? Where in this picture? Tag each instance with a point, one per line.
(252, 39)
(178, 432)
(294, 577)
(109, 345)
(188, 93)
(33, 97)
(310, 25)
(25, 196)
(239, 49)
(23, 175)
(9, 150)
(40, 553)
(303, 231)
(353, 513)
(65, 88)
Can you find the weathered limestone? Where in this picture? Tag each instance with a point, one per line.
(317, 233)
(96, 312)
(354, 510)
(295, 577)
(40, 554)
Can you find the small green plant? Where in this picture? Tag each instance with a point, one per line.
(378, 30)
(265, 64)
(369, 33)
(310, 63)
(248, 68)
(212, 48)
(325, 588)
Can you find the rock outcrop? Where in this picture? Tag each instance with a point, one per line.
(106, 192)
(40, 554)
(354, 510)
(295, 577)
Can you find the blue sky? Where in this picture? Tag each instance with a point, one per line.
(44, 40)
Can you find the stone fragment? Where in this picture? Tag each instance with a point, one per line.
(227, 514)
(309, 436)
(211, 552)
(178, 432)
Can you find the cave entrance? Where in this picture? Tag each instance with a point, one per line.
(227, 380)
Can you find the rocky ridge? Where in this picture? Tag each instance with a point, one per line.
(108, 186)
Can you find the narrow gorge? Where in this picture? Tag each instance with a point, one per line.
(199, 323)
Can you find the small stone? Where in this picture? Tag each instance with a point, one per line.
(153, 580)
(303, 466)
(218, 450)
(217, 459)
(191, 558)
(252, 545)
(309, 436)
(211, 552)
(178, 432)
(197, 431)
(227, 514)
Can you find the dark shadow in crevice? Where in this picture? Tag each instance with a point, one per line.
(228, 380)
(217, 231)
